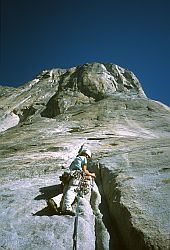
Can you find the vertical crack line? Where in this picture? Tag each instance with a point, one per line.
(105, 219)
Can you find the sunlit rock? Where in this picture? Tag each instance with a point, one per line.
(44, 123)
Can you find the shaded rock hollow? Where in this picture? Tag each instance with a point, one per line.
(44, 123)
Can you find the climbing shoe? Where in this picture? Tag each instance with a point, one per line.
(69, 212)
(52, 204)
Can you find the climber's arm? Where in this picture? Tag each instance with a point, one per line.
(87, 172)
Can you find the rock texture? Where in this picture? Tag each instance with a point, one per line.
(43, 124)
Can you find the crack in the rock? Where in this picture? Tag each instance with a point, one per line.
(115, 241)
(115, 216)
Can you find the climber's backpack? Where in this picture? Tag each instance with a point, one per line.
(65, 178)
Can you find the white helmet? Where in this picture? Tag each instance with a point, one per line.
(87, 152)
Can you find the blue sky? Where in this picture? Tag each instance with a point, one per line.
(41, 34)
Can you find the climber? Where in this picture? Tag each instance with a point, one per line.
(80, 180)
(75, 181)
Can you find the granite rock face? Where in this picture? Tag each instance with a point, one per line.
(43, 124)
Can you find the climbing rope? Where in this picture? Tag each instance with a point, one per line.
(76, 223)
(82, 189)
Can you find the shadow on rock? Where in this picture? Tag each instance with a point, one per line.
(49, 192)
(47, 211)
(46, 194)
